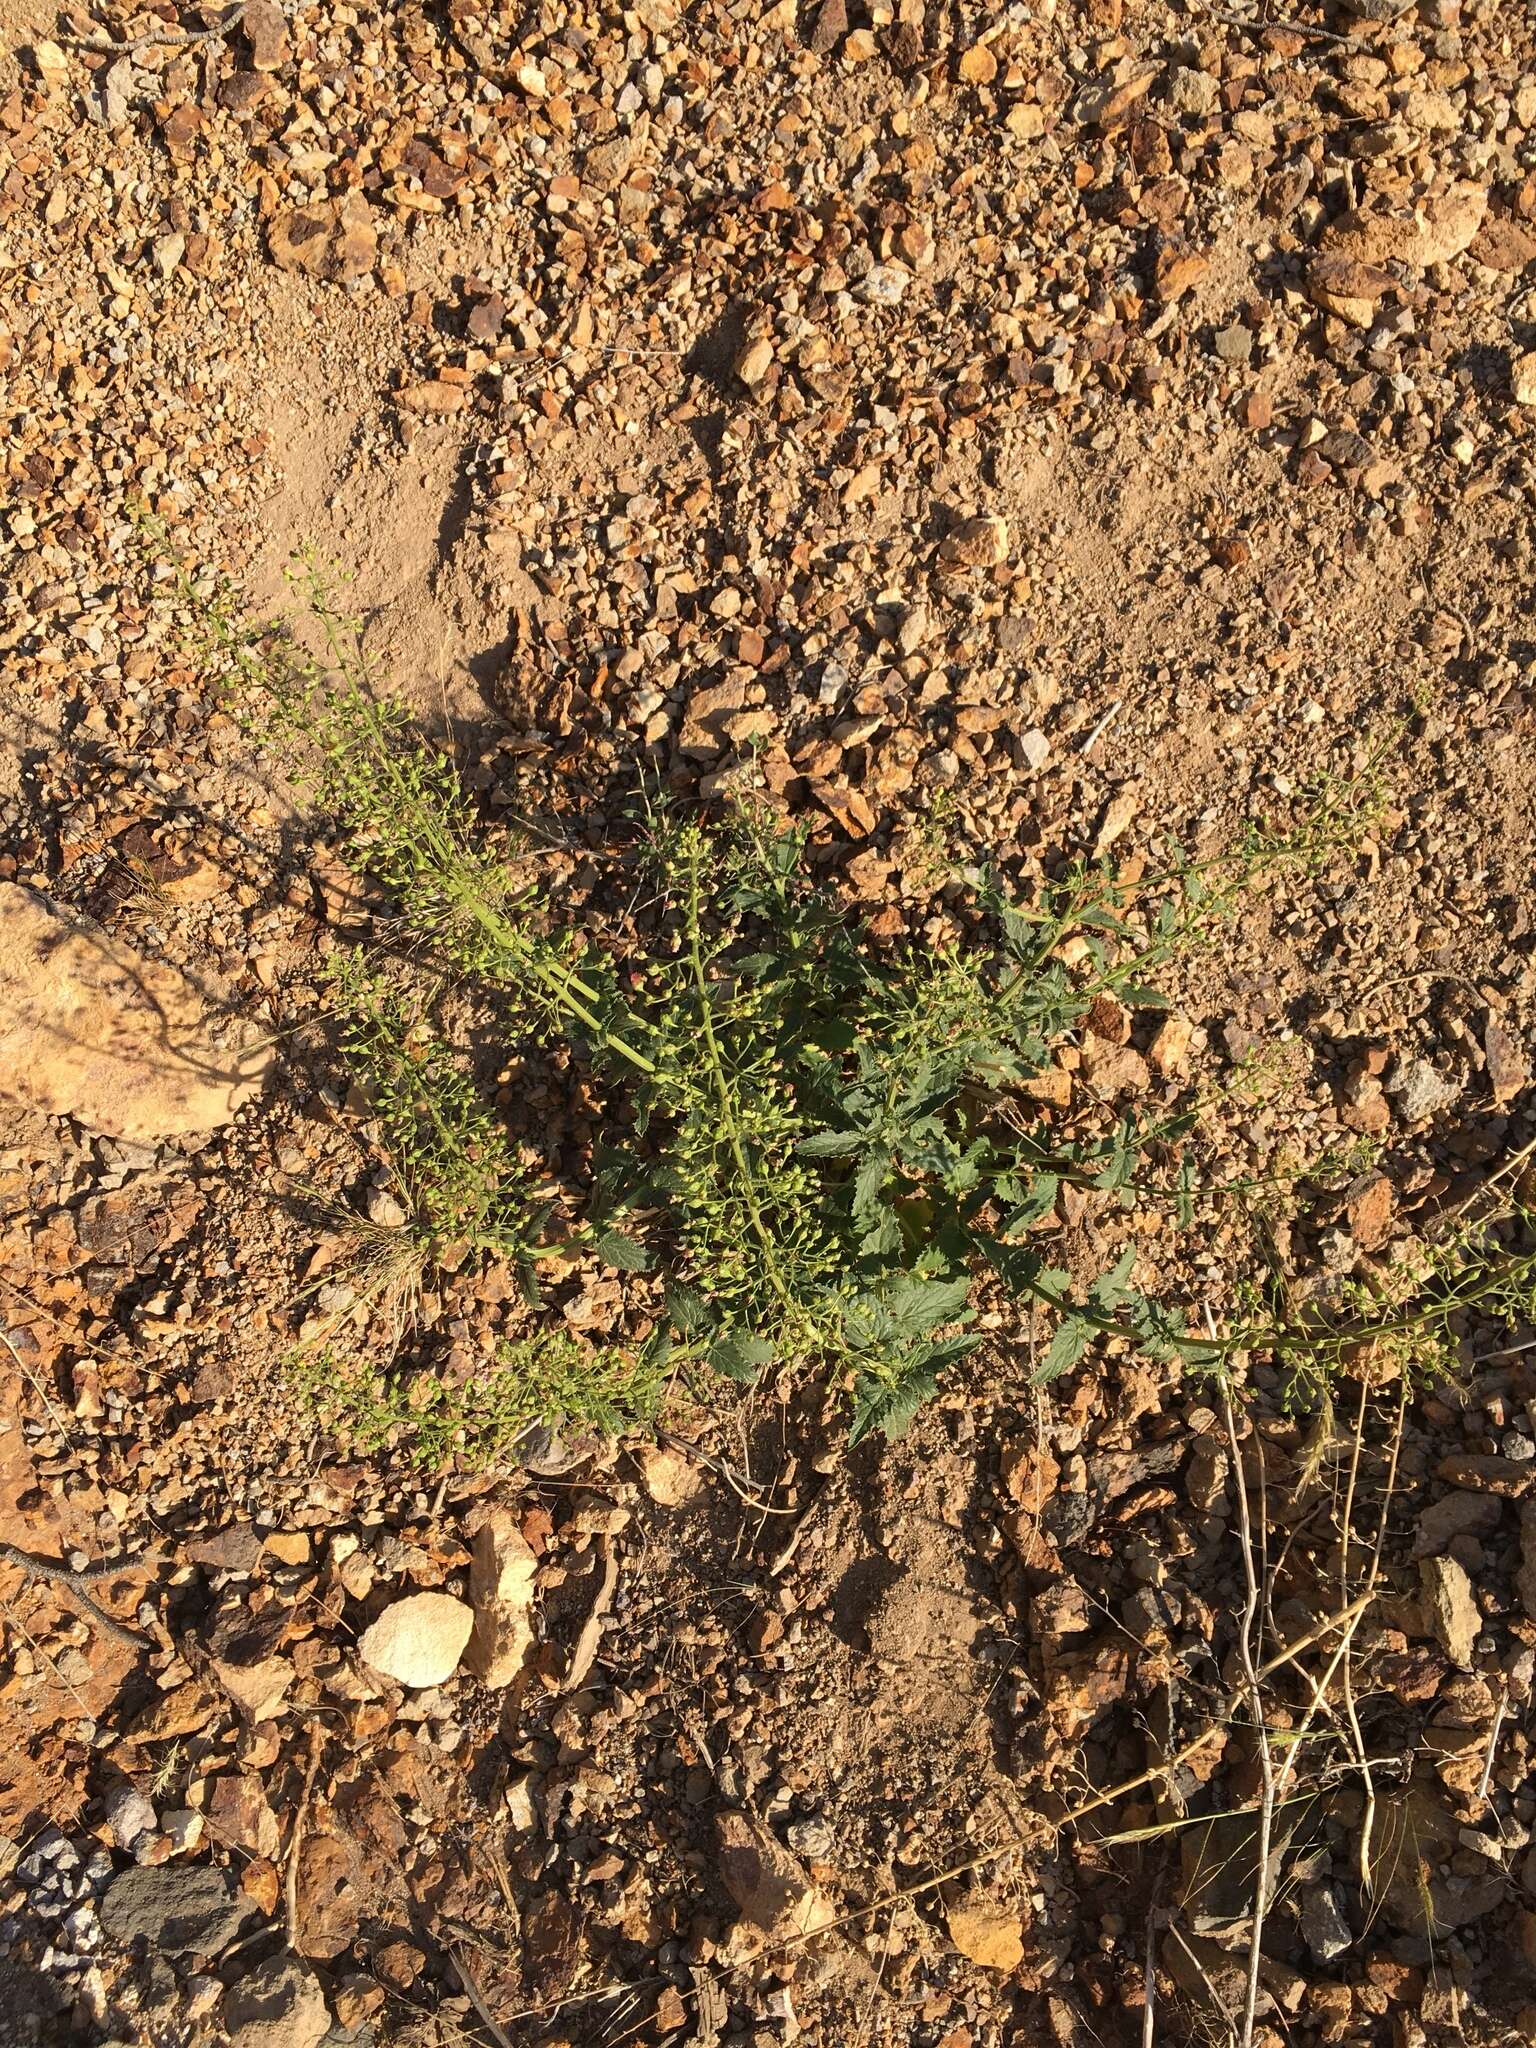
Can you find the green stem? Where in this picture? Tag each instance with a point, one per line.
(447, 859)
(722, 1088)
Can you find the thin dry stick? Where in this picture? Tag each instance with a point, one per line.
(874, 1990)
(71, 1582)
(1350, 1617)
(737, 1481)
(1199, 1969)
(9, 1615)
(782, 1561)
(1493, 1748)
(1509, 1351)
(1345, 1618)
(1295, 28)
(37, 1387)
(1261, 1731)
(477, 1998)
(163, 39)
(1149, 1981)
(296, 1839)
(1356, 1737)
(1103, 726)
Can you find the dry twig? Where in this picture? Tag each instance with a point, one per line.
(296, 1839)
(477, 1998)
(72, 1583)
(1073, 1815)
(160, 39)
(1493, 1748)
(1257, 23)
(1349, 1617)
(1356, 1737)
(1260, 1729)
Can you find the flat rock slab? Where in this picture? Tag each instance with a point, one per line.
(90, 1029)
(181, 1909)
(420, 1639)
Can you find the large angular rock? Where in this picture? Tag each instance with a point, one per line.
(775, 1896)
(335, 240)
(1433, 232)
(90, 1029)
(1525, 1577)
(418, 1640)
(501, 1593)
(987, 1931)
(178, 1908)
(244, 1650)
(278, 2005)
(1454, 1614)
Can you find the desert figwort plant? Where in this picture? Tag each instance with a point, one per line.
(1408, 1319)
(465, 1189)
(550, 1379)
(827, 1146)
(404, 810)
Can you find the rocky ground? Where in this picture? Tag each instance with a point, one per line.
(1037, 430)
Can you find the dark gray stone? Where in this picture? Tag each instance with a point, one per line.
(179, 1908)
(1323, 1926)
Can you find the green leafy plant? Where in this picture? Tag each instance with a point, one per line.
(826, 1146)
(465, 1190)
(1407, 1319)
(549, 1379)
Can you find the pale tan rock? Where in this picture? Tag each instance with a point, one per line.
(755, 360)
(980, 543)
(769, 1885)
(279, 2004)
(501, 1574)
(1430, 112)
(418, 1640)
(90, 1029)
(667, 1476)
(1106, 105)
(986, 1931)
(1122, 807)
(706, 711)
(1347, 288)
(1115, 1069)
(607, 163)
(1522, 379)
(266, 30)
(51, 64)
(1453, 1612)
(433, 399)
(849, 807)
(1169, 1050)
(978, 65)
(244, 1653)
(1435, 232)
(1504, 244)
